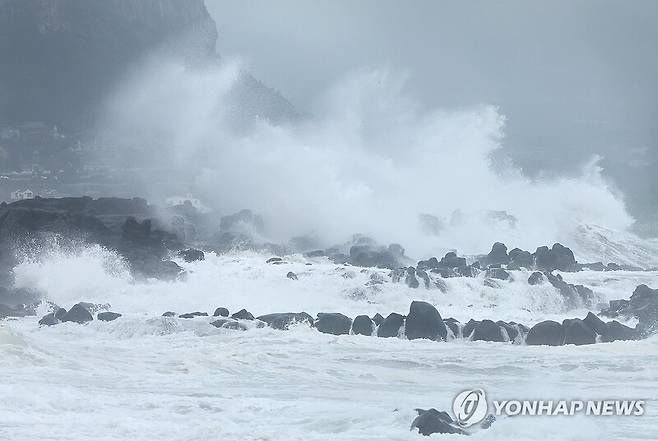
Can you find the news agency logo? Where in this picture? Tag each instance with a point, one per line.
(470, 407)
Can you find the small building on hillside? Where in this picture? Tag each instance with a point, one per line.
(19, 195)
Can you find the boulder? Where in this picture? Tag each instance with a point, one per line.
(424, 321)
(521, 258)
(49, 320)
(60, 313)
(429, 264)
(453, 325)
(558, 257)
(243, 314)
(469, 327)
(391, 325)
(498, 254)
(616, 331)
(450, 260)
(169, 314)
(498, 273)
(432, 421)
(192, 255)
(108, 316)
(77, 314)
(363, 325)
(274, 260)
(511, 329)
(284, 320)
(190, 315)
(410, 278)
(333, 323)
(547, 333)
(577, 332)
(291, 275)
(378, 319)
(595, 324)
(536, 278)
(487, 330)
(220, 312)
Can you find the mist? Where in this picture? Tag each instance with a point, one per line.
(574, 78)
(371, 159)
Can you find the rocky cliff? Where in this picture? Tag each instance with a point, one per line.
(60, 57)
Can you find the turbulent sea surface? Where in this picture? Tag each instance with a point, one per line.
(146, 377)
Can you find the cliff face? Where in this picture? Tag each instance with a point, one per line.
(59, 57)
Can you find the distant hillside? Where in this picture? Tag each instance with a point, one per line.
(60, 57)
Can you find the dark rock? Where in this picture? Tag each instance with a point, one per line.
(547, 333)
(557, 258)
(274, 260)
(428, 264)
(498, 273)
(284, 320)
(424, 321)
(595, 266)
(220, 312)
(613, 267)
(498, 254)
(577, 332)
(520, 258)
(491, 283)
(363, 325)
(60, 313)
(453, 325)
(432, 421)
(450, 260)
(595, 324)
(616, 331)
(291, 275)
(422, 275)
(487, 330)
(511, 329)
(469, 327)
(192, 255)
(369, 255)
(243, 314)
(333, 323)
(190, 315)
(410, 278)
(536, 278)
(108, 316)
(378, 319)
(49, 320)
(77, 314)
(221, 322)
(390, 327)
(169, 314)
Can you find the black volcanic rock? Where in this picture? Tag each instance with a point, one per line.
(363, 325)
(78, 314)
(283, 321)
(108, 316)
(432, 421)
(548, 333)
(487, 330)
(424, 321)
(243, 314)
(391, 325)
(498, 254)
(220, 312)
(536, 278)
(577, 332)
(333, 323)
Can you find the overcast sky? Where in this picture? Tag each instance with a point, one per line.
(574, 78)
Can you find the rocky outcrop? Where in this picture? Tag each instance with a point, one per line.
(424, 321)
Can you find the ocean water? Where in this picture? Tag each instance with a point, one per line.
(146, 377)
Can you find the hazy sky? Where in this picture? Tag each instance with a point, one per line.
(574, 78)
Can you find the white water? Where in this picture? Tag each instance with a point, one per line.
(145, 377)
